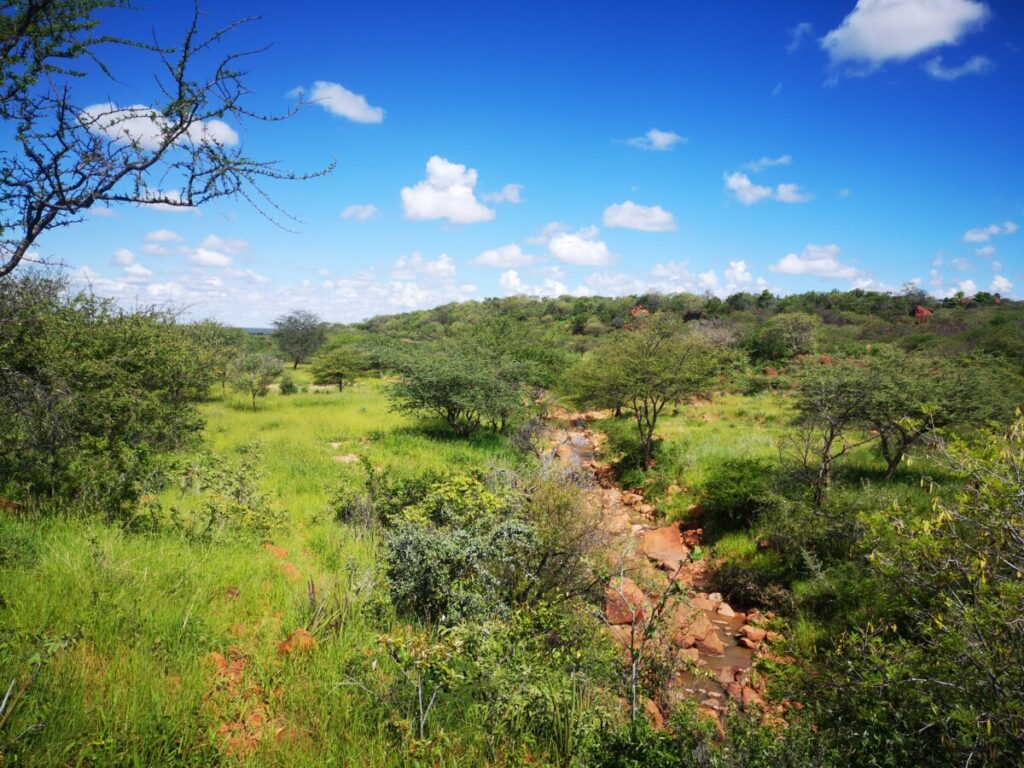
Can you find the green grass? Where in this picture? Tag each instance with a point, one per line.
(111, 633)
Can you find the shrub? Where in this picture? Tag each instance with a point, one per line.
(288, 385)
(734, 492)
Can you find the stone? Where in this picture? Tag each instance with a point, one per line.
(665, 547)
(725, 610)
(645, 509)
(756, 634)
(746, 642)
(702, 603)
(624, 602)
(691, 653)
(654, 716)
(751, 698)
(715, 597)
(711, 645)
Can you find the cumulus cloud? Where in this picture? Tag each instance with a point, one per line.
(505, 257)
(877, 31)
(816, 260)
(123, 256)
(414, 265)
(738, 274)
(163, 236)
(581, 248)
(976, 65)
(513, 285)
(984, 234)
(746, 191)
(140, 126)
(629, 215)
(657, 141)
(749, 193)
(1001, 285)
(339, 100)
(217, 243)
(548, 231)
(510, 193)
(360, 212)
(136, 273)
(446, 193)
(756, 166)
(204, 257)
(986, 251)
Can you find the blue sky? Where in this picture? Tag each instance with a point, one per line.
(600, 148)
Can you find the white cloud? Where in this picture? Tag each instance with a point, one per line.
(510, 193)
(204, 257)
(996, 266)
(581, 248)
(790, 193)
(513, 285)
(163, 236)
(360, 212)
(975, 65)
(216, 243)
(247, 275)
(802, 31)
(737, 273)
(548, 231)
(984, 234)
(708, 281)
(745, 190)
(339, 100)
(756, 166)
(969, 287)
(446, 193)
(155, 249)
(629, 215)
(136, 273)
(123, 256)
(143, 127)
(504, 257)
(103, 212)
(961, 264)
(412, 266)
(877, 31)
(614, 284)
(816, 260)
(658, 141)
(1001, 285)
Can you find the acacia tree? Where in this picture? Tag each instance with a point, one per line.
(254, 373)
(645, 367)
(299, 334)
(336, 363)
(69, 157)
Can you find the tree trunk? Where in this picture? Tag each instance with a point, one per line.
(296, 365)
(254, 401)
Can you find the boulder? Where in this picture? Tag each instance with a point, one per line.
(725, 610)
(756, 634)
(654, 716)
(665, 547)
(624, 602)
(711, 645)
(751, 698)
(702, 603)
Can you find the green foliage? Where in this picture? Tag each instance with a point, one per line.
(253, 373)
(224, 499)
(784, 336)
(463, 380)
(287, 385)
(734, 492)
(90, 394)
(337, 362)
(299, 334)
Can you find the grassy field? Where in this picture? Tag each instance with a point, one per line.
(150, 649)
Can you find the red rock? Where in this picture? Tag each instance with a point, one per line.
(711, 645)
(654, 716)
(299, 641)
(621, 634)
(275, 550)
(665, 546)
(746, 642)
(691, 653)
(751, 697)
(756, 634)
(771, 373)
(702, 603)
(735, 691)
(624, 603)
(725, 610)
(921, 314)
(827, 359)
(726, 675)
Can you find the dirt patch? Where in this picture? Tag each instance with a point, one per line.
(347, 458)
(276, 551)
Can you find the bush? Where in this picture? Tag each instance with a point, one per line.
(288, 385)
(734, 492)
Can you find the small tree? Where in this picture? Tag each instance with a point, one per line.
(784, 336)
(253, 374)
(218, 345)
(299, 334)
(644, 368)
(830, 401)
(336, 363)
